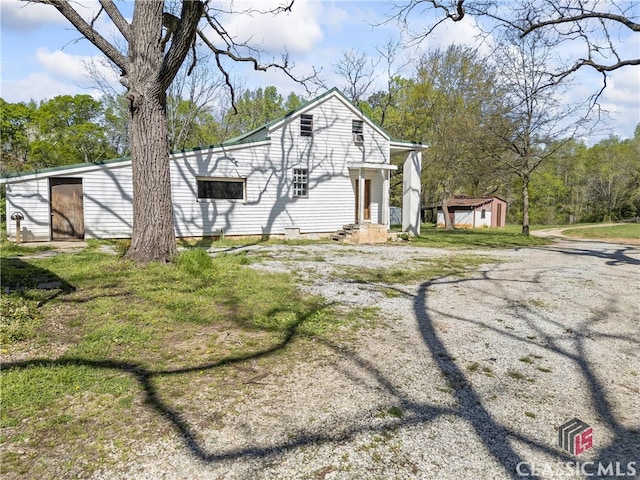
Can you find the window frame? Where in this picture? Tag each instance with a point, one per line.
(357, 131)
(300, 180)
(306, 125)
(241, 180)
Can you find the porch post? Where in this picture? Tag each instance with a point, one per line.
(385, 198)
(411, 186)
(361, 196)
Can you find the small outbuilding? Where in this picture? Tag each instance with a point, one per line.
(474, 212)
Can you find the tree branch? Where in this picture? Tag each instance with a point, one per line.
(116, 17)
(87, 31)
(183, 38)
(231, 52)
(576, 18)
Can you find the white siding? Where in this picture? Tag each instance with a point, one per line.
(108, 202)
(269, 207)
(32, 199)
(411, 187)
(483, 222)
(463, 218)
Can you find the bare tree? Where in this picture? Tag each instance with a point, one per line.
(595, 24)
(535, 121)
(358, 72)
(158, 43)
(383, 101)
(190, 97)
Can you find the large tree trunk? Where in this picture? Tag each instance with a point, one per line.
(153, 236)
(525, 204)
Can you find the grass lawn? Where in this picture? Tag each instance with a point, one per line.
(117, 349)
(625, 230)
(117, 353)
(506, 237)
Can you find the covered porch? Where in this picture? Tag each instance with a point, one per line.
(371, 183)
(371, 186)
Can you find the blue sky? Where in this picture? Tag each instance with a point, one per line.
(43, 56)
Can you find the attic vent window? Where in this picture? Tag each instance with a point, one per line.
(306, 125)
(357, 129)
(300, 182)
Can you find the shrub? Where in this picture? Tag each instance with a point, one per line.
(195, 261)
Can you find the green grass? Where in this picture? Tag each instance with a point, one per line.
(627, 230)
(10, 249)
(506, 237)
(106, 355)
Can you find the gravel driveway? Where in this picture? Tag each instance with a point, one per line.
(461, 378)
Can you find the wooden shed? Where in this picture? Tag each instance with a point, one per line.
(474, 212)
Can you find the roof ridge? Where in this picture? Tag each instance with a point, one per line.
(66, 167)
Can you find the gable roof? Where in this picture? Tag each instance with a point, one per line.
(262, 133)
(467, 202)
(259, 134)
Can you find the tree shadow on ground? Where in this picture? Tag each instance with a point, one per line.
(25, 278)
(614, 256)
(496, 438)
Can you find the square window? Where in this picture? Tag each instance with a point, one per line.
(306, 125)
(221, 189)
(483, 214)
(300, 182)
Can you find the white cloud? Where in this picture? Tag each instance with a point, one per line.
(17, 15)
(61, 64)
(297, 31)
(39, 86)
(61, 74)
(623, 87)
(65, 66)
(20, 16)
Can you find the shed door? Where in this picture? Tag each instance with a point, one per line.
(67, 211)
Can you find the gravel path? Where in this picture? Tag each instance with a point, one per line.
(462, 378)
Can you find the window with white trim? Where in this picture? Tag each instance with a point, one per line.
(221, 188)
(306, 125)
(300, 182)
(357, 130)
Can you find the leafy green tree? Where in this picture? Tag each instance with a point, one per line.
(255, 108)
(535, 120)
(612, 171)
(15, 122)
(68, 132)
(61, 131)
(447, 105)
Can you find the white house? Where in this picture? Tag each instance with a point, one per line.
(318, 168)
